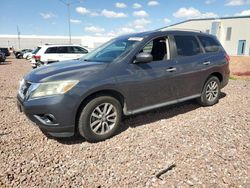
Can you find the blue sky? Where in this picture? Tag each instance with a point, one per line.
(108, 17)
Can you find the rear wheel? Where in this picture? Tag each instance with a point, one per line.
(211, 92)
(100, 119)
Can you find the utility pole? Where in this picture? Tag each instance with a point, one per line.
(68, 5)
(18, 37)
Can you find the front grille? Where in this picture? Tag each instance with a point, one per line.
(24, 87)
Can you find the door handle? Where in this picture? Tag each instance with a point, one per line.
(206, 63)
(171, 69)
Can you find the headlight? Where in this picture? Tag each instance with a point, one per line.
(52, 88)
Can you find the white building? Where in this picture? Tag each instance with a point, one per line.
(233, 32)
(32, 41)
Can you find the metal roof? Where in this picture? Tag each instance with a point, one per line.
(201, 19)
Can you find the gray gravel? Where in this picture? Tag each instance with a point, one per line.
(209, 146)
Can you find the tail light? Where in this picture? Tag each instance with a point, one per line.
(227, 58)
(37, 57)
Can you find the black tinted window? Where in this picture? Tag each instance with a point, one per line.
(157, 48)
(62, 50)
(77, 50)
(187, 45)
(210, 44)
(51, 50)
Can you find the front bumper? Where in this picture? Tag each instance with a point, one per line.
(54, 115)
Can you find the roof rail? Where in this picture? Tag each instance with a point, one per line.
(181, 29)
(59, 44)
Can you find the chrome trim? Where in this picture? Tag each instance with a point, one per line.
(20, 89)
(172, 69)
(23, 85)
(206, 63)
(147, 108)
(32, 88)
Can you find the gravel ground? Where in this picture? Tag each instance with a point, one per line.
(209, 146)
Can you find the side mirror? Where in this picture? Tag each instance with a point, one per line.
(143, 58)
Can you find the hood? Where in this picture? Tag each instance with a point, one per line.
(67, 70)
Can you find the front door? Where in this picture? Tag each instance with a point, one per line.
(152, 83)
(149, 84)
(241, 47)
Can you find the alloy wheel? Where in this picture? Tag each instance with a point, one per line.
(103, 118)
(212, 91)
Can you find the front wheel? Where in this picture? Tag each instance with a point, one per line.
(100, 119)
(211, 92)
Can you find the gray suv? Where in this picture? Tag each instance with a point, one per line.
(127, 75)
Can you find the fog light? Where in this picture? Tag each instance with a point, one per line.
(48, 119)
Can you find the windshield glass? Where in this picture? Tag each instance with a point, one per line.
(116, 48)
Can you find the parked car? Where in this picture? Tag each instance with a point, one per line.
(2, 57)
(29, 55)
(127, 75)
(5, 51)
(47, 54)
(19, 54)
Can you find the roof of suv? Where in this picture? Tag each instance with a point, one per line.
(56, 45)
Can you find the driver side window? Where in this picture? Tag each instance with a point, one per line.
(158, 48)
(148, 47)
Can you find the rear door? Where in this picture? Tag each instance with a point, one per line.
(190, 59)
(215, 59)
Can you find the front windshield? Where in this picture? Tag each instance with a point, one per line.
(116, 48)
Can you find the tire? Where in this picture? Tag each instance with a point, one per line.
(94, 124)
(211, 92)
(19, 57)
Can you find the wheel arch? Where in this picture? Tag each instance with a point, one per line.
(201, 100)
(218, 75)
(106, 92)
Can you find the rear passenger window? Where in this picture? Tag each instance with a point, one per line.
(51, 50)
(77, 50)
(187, 45)
(210, 44)
(62, 50)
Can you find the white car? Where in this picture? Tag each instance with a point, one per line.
(28, 55)
(47, 54)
